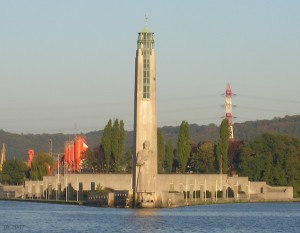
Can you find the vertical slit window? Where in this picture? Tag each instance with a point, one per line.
(146, 65)
(146, 44)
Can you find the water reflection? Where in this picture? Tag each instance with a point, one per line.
(146, 212)
(260, 217)
(145, 220)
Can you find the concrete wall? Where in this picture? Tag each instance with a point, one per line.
(165, 183)
(8, 190)
(188, 182)
(267, 192)
(256, 187)
(114, 181)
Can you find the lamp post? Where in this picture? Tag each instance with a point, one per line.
(57, 183)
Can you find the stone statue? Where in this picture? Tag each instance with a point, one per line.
(145, 173)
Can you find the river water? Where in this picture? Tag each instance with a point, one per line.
(242, 217)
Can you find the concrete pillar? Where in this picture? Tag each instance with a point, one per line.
(225, 195)
(80, 192)
(58, 190)
(93, 187)
(172, 188)
(33, 190)
(202, 192)
(191, 192)
(235, 192)
(49, 191)
(69, 193)
(213, 193)
(111, 199)
(41, 190)
(27, 190)
(145, 117)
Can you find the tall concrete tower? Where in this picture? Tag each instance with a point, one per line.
(145, 121)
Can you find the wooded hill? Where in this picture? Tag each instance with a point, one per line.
(17, 145)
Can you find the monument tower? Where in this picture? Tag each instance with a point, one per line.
(145, 121)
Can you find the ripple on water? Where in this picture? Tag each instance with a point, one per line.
(254, 217)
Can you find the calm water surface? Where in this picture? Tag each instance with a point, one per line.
(255, 217)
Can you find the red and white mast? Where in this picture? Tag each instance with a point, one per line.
(228, 106)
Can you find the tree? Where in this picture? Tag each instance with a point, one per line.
(170, 156)
(160, 151)
(89, 161)
(100, 156)
(115, 148)
(128, 160)
(40, 166)
(293, 173)
(273, 158)
(113, 144)
(222, 146)
(122, 144)
(234, 154)
(202, 161)
(118, 144)
(184, 147)
(13, 172)
(106, 144)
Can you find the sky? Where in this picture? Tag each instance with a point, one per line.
(67, 66)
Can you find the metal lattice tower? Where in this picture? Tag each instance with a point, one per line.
(228, 107)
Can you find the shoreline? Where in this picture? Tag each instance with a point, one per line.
(62, 202)
(184, 204)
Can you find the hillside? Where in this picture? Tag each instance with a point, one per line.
(17, 145)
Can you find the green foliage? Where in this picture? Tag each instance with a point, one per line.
(202, 161)
(115, 136)
(273, 158)
(251, 129)
(71, 195)
(118, 144)
(184, 146)
(40, 166)
(106, 144)
(17, 145)
(113, 144)
(222, 146)
(93, 161)
(13, 172)
(170, 156)
(128, 160)
(160, 151)
(234, 155)
(100, 189)
(89, 161)
(122, 144)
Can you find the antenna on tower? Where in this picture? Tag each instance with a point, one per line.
(146, 20)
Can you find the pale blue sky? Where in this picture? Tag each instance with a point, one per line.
(68, 66)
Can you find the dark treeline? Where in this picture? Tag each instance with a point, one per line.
(17, 145)
(271, 157)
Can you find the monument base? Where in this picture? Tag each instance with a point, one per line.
(146, 199)
(147, 205)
